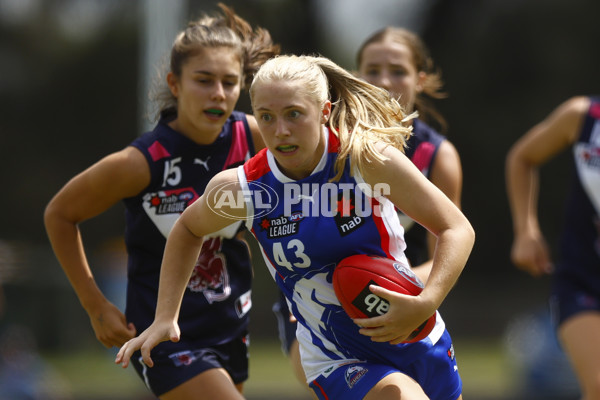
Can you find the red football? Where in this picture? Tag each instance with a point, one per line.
(352, 277)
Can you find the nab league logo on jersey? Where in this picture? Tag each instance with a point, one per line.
(590, 155)
(210, 274)
(282, 225)
(164, 207)
(347, 219)
(172, 201)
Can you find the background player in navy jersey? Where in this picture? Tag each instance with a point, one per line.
(323, 127)
(160, 174)
(575, 294)
(398, 61)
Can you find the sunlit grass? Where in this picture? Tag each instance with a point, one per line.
(92, 374)
(485, 369)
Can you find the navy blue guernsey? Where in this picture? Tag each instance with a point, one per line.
(580, 244)
(422, 149)
(217, 298)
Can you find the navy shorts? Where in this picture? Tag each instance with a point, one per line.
(570, 297)
(287, 329)
(436, 371)
(183, 362)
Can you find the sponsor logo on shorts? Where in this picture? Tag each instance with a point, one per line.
(354, 374)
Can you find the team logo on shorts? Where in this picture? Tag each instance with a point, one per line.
(187, 357)
(353, 374)
(184, 358)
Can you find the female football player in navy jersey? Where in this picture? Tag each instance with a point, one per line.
(398, 61)
(575, 293)
(160, 174)
(329, 181)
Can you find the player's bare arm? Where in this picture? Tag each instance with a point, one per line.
(418, 198)
(542, 142)
(181, 253)
(93, 191)
(446, 174)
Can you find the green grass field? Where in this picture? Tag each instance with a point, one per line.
(91, 375)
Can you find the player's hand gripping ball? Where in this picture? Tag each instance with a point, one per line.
(352, 277)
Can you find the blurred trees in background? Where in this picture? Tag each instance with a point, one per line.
(68, 96)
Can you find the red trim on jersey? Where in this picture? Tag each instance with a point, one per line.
(423, 154)
(239, 145)
(320, 389)
(257, 166)
(334, 142)
(157, 151)
(383, 232)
